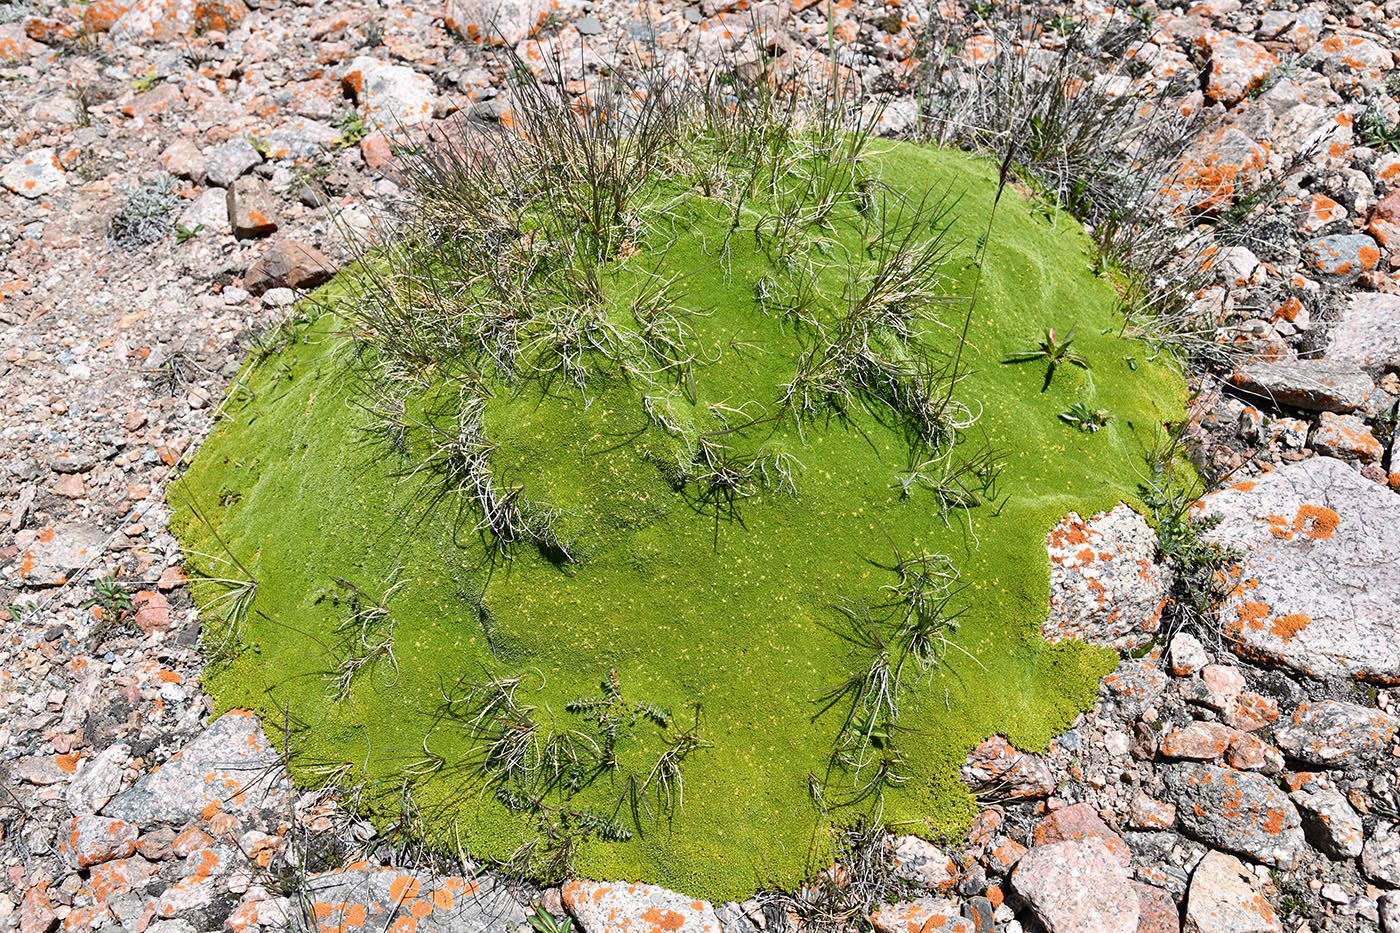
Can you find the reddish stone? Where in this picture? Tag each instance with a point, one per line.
(1200, 741)
(1078, 822)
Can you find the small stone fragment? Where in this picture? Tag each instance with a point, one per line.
(1225, 898)
(1329, 821)
(1239, 811)
(34, 174)
(997, 765)
(1314, 385)
(250, 209)
(636, 908)
(1076, 886)
(925, 915)
(1335, 734)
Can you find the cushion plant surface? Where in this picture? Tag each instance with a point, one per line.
(750, 618)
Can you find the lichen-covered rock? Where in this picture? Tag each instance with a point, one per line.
(636, 908)
(1076, 886)
(373, 898)
(1329, 822)
(1106, 586)
(1238, 65)
(88, 840)
(493, 22)
(1199, 741)
(226, 162)
(923, 863)
(250, 210)
(1342, 258)
(1315, 385)
(392, 95)
(1219, 167)
(1336, 734)
(56, 551)
(230, 766)
(1225, 898)
(289, 264)
(1238, 811)
(33, 174)
(997, 765)
(1346, 437)
(1316, 588)
(925, 915)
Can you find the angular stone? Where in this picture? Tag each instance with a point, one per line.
(1380, 858)
(636, 908)
(1186, 654)
(1362, 59)
(155, 21)
(34, 174)
(998, 767)
(250, 209)
(289, 264)
(1335, 734)
(1252, 711)
(89, 840)
(923, 863)
(227, 162)
(1106, 585)
(1225, 898)
(1135, 686)
(1199, 741)
(1316, 588)
(1157, 910)
(493, 22)
(207, 213)
(230, 766)
(1313, 385)
(1077, 885)
(218, 15)
(1346, 437)
(301, 139)
(1147, 813)
(99, 780)
(15, 45)
(925, 915)
(1329, 822)
(119, 877)
(1079, 821)
(393, 96)
(1367, 332)
(1239, 811)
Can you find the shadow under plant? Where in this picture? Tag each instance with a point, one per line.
(659, 498)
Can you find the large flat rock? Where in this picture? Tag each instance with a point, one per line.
(1316, 589)
(374, 898)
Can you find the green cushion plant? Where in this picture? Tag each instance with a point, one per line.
(659, 496)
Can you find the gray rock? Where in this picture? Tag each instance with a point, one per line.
(1239, 811)
(230, 766)
(601, 907)
(59, 551)
(1077, 885)
(1367, 333)
(226, 162)
(1225, 897)
(1315, 385)
(393, 96)
(1341, 258)
(1316, 588)
(1380, 859)
(1106, 584)
(250, 209)
(1334, 734)
(1329, 822)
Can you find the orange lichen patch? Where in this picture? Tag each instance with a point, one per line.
(1252, 614)
(1245, 486)
(662, 921)
(100, 15)
(67, 762)
(1287, 626)
(1317, 522)
(403, 888)
(1279, 527)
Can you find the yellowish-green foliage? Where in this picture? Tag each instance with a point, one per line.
(379, 601)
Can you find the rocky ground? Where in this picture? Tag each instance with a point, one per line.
(176, 172)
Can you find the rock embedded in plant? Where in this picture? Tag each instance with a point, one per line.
(656, 500)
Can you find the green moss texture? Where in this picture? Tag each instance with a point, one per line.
(726, 605)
